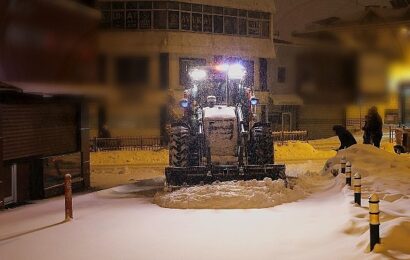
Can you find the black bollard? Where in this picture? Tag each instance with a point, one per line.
(358, 189)
(374, 220)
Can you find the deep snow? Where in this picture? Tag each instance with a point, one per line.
(123, 222)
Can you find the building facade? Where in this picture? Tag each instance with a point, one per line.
(147, 49)
(46, 66)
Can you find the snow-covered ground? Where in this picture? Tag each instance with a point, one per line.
(317, 220)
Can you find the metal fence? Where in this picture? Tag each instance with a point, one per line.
(156, 143)
(126, 144)
(286, 136)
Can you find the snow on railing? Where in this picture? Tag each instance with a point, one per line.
(286, 136)
(127, 143)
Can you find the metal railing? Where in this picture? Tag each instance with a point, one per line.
(286, 136)
(126, 144)
(156, 143)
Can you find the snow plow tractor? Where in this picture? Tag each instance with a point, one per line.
(219, 138)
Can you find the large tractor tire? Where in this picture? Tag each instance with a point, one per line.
(261, 145)
(179, 146)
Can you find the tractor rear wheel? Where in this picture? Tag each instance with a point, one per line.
(261, 145)
(179, 146)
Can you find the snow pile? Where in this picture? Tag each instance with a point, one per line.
(241, 194)
(300, 151)
(130, 158)
(388, 175)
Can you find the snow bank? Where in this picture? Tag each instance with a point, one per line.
(300, 151)
(241, 194)
(159, 157)
(388, 175)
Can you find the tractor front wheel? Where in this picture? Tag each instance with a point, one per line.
(261, 145)
(179, 146)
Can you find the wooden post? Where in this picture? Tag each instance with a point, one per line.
(349, 173)
(358, 189)
(374, 220)
(68, 193)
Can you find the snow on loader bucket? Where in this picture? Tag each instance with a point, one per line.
(219, 137)
(182, 176)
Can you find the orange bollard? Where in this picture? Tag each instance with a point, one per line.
(68, 193)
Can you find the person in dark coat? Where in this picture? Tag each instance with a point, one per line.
(375, 126)
(346, 138)
(366, 131)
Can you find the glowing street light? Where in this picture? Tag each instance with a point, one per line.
(236, 71)
(197, 74)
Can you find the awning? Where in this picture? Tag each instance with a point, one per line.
(50, 89)
(292, 100)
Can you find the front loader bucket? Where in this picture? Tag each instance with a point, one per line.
(181, 176)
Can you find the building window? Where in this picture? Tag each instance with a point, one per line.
(230, 25)
(281, 74)
(144, 19)
(160, 19)
(173, 15)
(132, 19)
(173, 20)
(243, 27)
(101, 68)
(118, 19)
(196, 22)
(185, 21)
(207, 23)
(131, 71)
(218, 24)
(185, 66)
(263, 74)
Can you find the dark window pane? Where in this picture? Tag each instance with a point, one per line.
(196, 22)
(186, 21)
(254, 28)
(144, 20)
(196, 8)
(243, 13)
(185, 66)
(160, 5)
(253, 14)
(118, 20)
(132, 5)
(230, 11)
(249, 67)
(101, 68)
(263, 74)
(185, 7)
(106, 19)
(218, 24)
(104, 5)
(164, 70)
(243, 27)
(207, 9)
(281, 74)
(160, 19)
(217, 10)
(132, 19)
(173, 5)
(145, 5)
(230, 24)
(173, 20)
(132, 70)
(207, 23)
(265, 16)
(265, 30)
(117, 5)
